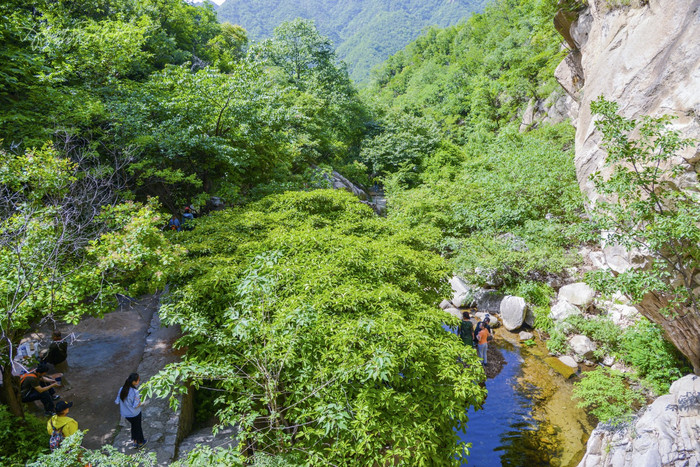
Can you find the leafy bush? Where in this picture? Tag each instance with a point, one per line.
(657, 362)
(537, 293)
(557, 343)
(21, 440)
(543, 320)
(307, 310)
(607, 394)
(601, 329)
(71, 454)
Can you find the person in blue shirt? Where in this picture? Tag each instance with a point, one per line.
(129, 401)
(174, 223)
(187, 216)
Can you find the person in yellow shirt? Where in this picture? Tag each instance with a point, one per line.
(61, 421)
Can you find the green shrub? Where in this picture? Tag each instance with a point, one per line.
(537, 293)
(607, 394)
(600, 329)
(557, 342)
(657, 362)
(543, 320)
(21, 440)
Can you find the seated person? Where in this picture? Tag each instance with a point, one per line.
(36, 385)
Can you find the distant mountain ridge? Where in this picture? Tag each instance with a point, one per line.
(364, 32)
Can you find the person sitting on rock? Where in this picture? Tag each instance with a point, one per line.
(35, 385)
(466, 330)
(61, 421)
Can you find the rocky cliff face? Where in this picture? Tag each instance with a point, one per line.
(666, 434)
(647, 59)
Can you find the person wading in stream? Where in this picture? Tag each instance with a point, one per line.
(466, 330)
(483, 337)
(129, 401)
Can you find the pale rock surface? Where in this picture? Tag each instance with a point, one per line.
(454, 312)
(462, 292)
(525, 336)
(568, 361)
(445, 304)
(513, 311)
(647, 59)
(562, 310)
(623, 315)
(666, 434)
(582, 345)
(578, 293)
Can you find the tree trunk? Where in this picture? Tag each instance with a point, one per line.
(682, 330)
(9, 395)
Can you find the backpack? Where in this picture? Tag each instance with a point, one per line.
(56, 437)
(21, 381)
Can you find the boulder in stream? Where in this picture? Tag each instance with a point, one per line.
(488, 300)
(513, 311)
(565, 370)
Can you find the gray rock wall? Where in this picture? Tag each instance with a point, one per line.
(648, 60)
(666, 434)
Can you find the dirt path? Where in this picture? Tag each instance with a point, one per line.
(105, 351)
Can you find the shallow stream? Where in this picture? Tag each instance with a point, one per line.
(528, 418)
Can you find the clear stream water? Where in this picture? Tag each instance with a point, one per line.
(528, 418)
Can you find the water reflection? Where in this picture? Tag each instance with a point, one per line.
(505, 432)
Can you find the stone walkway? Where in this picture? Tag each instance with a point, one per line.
(100, 358)
(160, 423)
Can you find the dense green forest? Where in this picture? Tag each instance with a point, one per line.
(313, 320)
(365, 33)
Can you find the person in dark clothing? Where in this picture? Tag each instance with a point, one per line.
(35, 385)
(466, 330)
(58, 356)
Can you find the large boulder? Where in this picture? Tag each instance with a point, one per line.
(582, 345)
(513, 311)
(665, 435)
(488, 300)
(578, 293)
(562, 310)
(462, 292)
(454, 312)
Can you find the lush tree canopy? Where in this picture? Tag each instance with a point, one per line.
(318, 322)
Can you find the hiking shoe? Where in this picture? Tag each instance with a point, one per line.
(134, 445)
(140, 445)
(55, 396)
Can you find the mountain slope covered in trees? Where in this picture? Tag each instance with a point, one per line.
(364, 32)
